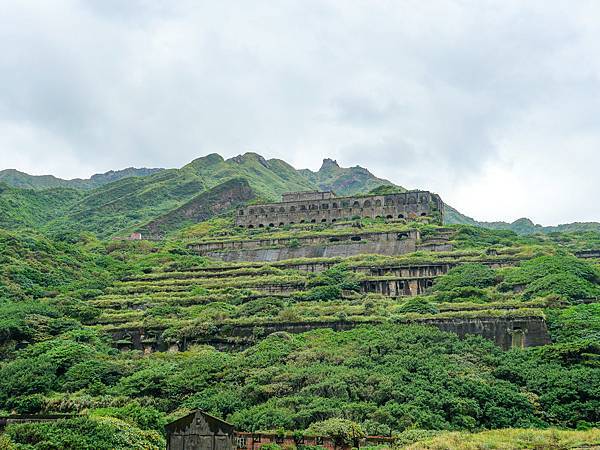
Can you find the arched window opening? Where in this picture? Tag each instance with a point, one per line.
(400, 216)
(313, 220)
(367, 204)
(271, 225)
(250, 226)
(389, 217)
(323, 220)
(356, 238)
(356, 205)
(377, 202)
(281, 209)
(260, 225)
(423, 214)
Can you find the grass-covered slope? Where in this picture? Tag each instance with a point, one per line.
(63, 299)
(23, 180)
(27, 208)
(218, 200)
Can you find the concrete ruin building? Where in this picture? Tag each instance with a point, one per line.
(326, 207)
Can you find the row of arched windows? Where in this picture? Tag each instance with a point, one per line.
(281, 224)
(334, 205)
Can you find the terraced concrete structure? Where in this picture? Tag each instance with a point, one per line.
(326, 207)
(324, 246)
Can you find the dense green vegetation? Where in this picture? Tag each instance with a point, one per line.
(72, 304)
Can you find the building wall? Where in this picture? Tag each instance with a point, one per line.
(381, 243)
(407, 205)
(250, 441)
(199, 431)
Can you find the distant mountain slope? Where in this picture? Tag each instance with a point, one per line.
(127, 203)
(344, 180)
(218, 200)
(18, 179)
(115, 202)
(27, 208)
(519, 226)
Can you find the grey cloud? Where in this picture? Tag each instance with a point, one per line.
(428, 94)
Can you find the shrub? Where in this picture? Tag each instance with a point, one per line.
(418, 305)
(342, 431)
(470, 275)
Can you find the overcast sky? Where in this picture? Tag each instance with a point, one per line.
(495, 105)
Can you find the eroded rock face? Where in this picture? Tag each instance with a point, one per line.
(223, 197)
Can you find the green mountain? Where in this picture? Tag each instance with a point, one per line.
(344, 180)
(18, 179)
(118, 202)
(218, 200)
(28, 208)
(519, 226)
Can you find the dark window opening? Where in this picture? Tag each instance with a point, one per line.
(260, 225)
(334, 239)
(367, 204)
(313, 220)
(356, 205)
(400, 216)
(250, 226)
(356, 238)
(389, 217)
(423, 214)
(281, 224)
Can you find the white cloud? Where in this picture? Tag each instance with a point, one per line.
(472, 99)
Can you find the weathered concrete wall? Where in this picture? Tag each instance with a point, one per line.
(327, 210)
(505, 332)
(311, 247)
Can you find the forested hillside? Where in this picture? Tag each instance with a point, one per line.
(470, 329)
(70, 302)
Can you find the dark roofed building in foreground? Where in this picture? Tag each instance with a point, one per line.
(200, 431)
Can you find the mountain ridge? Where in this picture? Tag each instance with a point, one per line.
(119, 201)
(16, 178)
